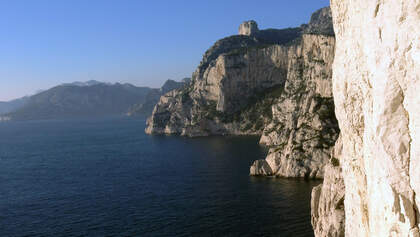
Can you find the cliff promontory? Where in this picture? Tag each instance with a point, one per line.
(272, 83)
(145, 108)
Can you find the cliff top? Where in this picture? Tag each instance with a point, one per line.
(320, 23)
(251, 36)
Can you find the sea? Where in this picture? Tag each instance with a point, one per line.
(106, 177)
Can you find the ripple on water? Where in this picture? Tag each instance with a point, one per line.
(107, 178)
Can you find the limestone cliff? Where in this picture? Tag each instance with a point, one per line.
(303, 128)
(376, 75)
(274, 83)
(327, 204)
(230, 96)
(231, 90)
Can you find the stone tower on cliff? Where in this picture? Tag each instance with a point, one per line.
(248, 28)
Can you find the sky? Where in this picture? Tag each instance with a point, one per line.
(44, 43)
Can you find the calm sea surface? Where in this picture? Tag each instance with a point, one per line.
(105, 177)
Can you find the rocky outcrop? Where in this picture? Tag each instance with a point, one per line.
(304, 129)
(321, 23)
(327, 204)
(232, 89)
(232, 96)
(248, 28)
(261, 167)
(375, 83)
(274, 83)
(145, 108)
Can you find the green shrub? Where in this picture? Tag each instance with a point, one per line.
(335, 162)
(259, 124)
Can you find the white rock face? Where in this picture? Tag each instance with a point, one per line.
(376, 86)
(261, 167)
(303, 129)
(248, 28)
(223, 88)
(327, 204)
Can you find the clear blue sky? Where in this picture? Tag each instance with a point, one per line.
(48, 42)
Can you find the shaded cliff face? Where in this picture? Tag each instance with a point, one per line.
(270, 84)
(375, 83)
(303, 129)
(327, 204)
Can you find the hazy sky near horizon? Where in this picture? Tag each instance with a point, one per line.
(44, 43)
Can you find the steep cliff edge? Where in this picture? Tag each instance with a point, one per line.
(274, 83)
(234, 75)
(327, 204)
(303, 128)
(376, 81)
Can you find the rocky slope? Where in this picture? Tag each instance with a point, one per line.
(303, 129)
(327, 204)
(274, 83)
(375, 84)
(145, 108)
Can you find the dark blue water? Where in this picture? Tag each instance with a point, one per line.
(107, 178)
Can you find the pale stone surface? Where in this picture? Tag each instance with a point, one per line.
(280, 91)
(248, 28)
(260, 167)
(222, 97)
(218, 100)
(327, 204)
(376, 81)
(304, 129)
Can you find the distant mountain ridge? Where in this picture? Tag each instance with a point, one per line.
(9, 106)
(87, 99)
(86, 83)
(80, 99)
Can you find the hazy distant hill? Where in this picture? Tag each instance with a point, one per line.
(85, 83)
(81, 100)
(9, 106)
(146, 108)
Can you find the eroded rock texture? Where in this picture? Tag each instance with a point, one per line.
(232, 89)
(274, 83)
(304, 129)
(376, 84)
(327, 204)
